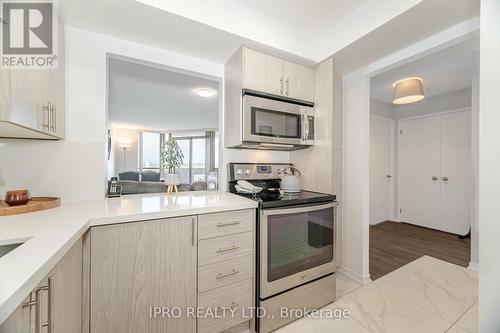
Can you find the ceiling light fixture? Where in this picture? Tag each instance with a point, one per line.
(408, 90)
(206, 92)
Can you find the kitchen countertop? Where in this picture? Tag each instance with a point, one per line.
(50, 234)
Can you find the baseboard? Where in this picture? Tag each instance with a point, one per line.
(396, 219)
(473, 266)
(354, 275)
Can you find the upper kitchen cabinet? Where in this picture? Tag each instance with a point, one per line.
(32, 101)
(299, 81)
(271, 75)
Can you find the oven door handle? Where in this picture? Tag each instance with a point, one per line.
(270, 212)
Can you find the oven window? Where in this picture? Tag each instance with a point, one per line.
(297, 242)
(275, 123)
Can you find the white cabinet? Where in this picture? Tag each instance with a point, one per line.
(262, 72)
(434, 172)
(136, 266)
(57, 300)
(299, 81)
(32, 105)
(268, 74)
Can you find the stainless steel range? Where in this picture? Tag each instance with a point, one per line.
(295, 245)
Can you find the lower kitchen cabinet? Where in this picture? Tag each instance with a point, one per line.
(140, 265)
(55, 306)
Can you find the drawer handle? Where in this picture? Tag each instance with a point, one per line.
(229, 248)
(225, 224)
(230, 306)
(221, 276)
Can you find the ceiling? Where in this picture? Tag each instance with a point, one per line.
(145, 97)
(312, 17)
(306, 31)
(448, 70)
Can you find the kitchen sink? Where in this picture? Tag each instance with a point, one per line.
(4, 249)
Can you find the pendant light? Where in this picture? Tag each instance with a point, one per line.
(408, 90)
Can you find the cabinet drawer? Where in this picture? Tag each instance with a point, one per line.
(224, 248)
(236, 296)
(224, 273)
(227, 223)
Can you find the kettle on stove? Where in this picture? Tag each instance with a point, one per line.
(290, 180)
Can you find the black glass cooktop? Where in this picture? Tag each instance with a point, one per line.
(275, 199)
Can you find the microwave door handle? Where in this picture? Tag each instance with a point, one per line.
(307, 128)
(304, 128)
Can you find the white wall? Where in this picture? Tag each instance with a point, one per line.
(131, 138)
(381, 109)
(355, 177)
(489, 162)
(75, 168)
(474, 260)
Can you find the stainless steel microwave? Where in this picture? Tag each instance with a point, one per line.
(276, 124)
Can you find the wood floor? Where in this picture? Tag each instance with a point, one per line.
(395, 244)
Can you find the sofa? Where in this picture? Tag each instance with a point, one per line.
(133, 182)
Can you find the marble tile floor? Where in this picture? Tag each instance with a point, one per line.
(427, 295)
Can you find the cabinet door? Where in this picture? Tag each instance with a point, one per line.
(299, 81)
(28, 94)
(56, 92)
(67, 292)
(419, 156)
(4, 94)
(136, 266)
(262, 72)
(456, 182)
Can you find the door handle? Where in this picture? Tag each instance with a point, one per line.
(434, 178)
(445, 179)
(389, 176)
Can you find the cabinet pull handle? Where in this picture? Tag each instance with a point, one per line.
(287, 85)
(54, 118)
(50, 310)
(224, 224)
(221, 275)
(281, 85)
(230, 306)
(193, 230)
(229, 248)
(46, 116)
(445, 179)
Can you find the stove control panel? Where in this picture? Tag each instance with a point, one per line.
(256, 171)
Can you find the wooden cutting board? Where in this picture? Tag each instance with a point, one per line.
(35, 204)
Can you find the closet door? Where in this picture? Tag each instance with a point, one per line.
(456, 172)
(419, 162)
(381, 169)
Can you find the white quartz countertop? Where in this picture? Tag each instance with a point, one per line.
(49, 234)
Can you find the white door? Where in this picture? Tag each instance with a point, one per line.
(381, 170)
(456, 182)
(419, 159)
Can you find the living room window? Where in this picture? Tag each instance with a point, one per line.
(199, 149)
